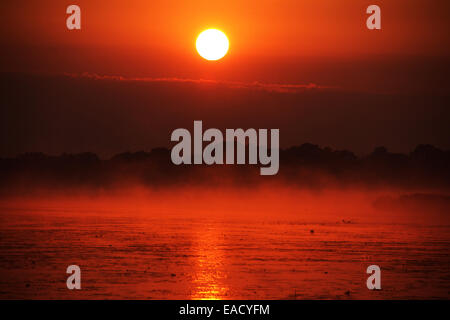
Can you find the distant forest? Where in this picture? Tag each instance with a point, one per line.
(307, 165)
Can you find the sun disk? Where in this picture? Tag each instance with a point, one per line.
(212, 44)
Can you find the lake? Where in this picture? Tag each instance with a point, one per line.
(155, 253)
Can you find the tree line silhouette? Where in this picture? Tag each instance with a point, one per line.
(307, 165)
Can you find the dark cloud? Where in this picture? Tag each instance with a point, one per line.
(256, 85)
(55, 114)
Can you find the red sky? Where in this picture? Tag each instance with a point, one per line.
(157, 38)
(393, 85)
(260, 28)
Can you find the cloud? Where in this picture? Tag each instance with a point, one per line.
(76, 113)
(256, 85)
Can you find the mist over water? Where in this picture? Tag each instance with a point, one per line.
(224, 243)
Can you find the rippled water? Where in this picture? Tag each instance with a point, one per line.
(170, 257)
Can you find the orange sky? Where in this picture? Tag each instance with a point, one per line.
(295, 43)
(119, 36)
(263, 27)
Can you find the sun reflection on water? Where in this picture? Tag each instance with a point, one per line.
(209, 275)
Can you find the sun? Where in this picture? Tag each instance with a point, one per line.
(212, 44)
